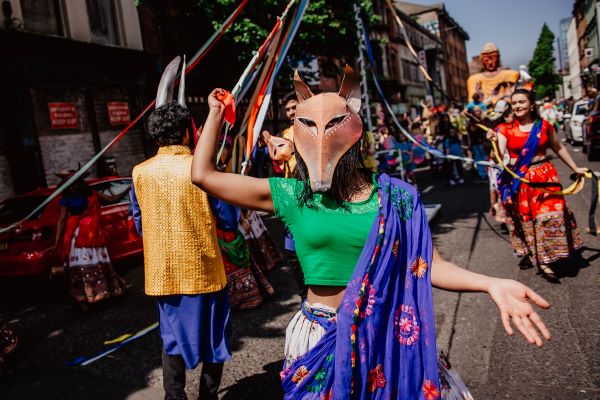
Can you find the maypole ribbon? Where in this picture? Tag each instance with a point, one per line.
(193, 62)
(406, 41)
(124, 340)
(435, 153)
(248, 75)
(279, 59)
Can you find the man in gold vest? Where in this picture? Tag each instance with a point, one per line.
(183, 265)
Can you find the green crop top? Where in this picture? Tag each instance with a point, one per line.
(329, 238)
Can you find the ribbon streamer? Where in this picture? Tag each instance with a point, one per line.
(83, 361)
(435, 153)
(250, 74)
(279, 59)
(193, 62)
(406, 41)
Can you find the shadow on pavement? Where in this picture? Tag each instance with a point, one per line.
(261, 386)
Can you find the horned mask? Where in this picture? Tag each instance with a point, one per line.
(326, 127)
(164, 94)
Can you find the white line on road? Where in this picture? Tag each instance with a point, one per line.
(427, 189)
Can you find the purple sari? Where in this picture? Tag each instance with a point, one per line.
(382, 343)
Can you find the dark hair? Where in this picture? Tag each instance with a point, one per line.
(349, 177)
(167, 124)
(289, 97)
(530, 94)
(79, 188)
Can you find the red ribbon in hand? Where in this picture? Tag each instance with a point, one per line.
(226, 98)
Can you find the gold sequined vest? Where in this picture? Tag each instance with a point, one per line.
(181, 252)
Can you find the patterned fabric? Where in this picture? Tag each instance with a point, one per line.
(507, 185)
(383, 300)
(91, 275)
(246, 279)
(8, 342)
(540, 224)
(8, 339)
(263, 251)
(187, 260)
(306, 329)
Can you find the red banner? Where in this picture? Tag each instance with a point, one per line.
(63, 115)
(118, 113)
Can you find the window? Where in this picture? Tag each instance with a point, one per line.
(103, 21)
(17, 208)
(114, 188)
(41, 16)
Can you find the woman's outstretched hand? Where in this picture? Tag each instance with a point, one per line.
(514, 302)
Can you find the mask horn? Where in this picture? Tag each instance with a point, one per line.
(164, 94)
(181, 96)
(350, 89)
(303, 92)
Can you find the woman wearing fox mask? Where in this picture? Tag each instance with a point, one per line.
(366, 329)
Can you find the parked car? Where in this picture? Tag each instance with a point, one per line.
(22, 250)
(591, 132)
(579, 112)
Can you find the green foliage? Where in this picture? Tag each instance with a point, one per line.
(542, 66)
(327, 27)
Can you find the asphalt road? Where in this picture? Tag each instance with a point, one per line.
(53, 331)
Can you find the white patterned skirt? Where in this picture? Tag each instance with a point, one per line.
(306, 329)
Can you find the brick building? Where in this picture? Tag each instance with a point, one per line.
(437, 20)
(402, 81)
(586, 15)
(73, 74)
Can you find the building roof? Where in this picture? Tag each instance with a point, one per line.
(418, 9)
(414, 9)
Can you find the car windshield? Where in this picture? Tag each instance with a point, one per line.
(114, 192)
(15, 209)
(581, 109)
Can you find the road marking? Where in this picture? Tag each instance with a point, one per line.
(427, 189)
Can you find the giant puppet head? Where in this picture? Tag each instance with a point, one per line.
(490, 57)
(326, 126)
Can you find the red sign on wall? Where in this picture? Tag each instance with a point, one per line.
(118, 113)
(63, 115)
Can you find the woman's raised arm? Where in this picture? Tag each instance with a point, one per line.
(239, 190)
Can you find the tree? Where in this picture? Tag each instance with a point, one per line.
(542, 67)
(327, 27)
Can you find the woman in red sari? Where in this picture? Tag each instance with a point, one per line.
(541, 226)
(81, 243)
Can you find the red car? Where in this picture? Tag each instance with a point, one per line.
(22, 250)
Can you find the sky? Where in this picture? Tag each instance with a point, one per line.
(513, 25)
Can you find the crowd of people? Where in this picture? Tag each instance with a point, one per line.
(357, 238)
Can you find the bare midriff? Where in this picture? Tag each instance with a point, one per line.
(328, 295)
(536, 159)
